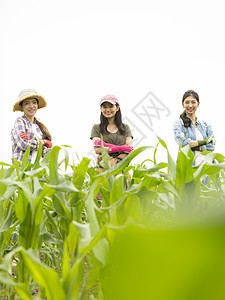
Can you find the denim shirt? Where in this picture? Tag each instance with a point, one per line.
(184, 135)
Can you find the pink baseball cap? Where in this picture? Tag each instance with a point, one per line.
(109, 98)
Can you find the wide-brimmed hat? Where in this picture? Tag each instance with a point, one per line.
(27, 94)
(109, 98)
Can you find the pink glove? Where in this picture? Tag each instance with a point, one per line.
(47, 143)
(123, 148)
(114, 148)
(24, 136)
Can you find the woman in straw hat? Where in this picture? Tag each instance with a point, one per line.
(27, 130)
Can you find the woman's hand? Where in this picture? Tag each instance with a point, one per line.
(210, 139)
(47, 143)
(24, 136)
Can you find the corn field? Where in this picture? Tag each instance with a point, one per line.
(158, 233)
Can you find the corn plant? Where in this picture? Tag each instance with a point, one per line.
(58, 240)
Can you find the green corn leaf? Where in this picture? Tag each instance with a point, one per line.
(29, 230)
(184, 171)
(75, 280)
(38, 157)
(162, 142)
(72, 241)
(22, 289)
(46, 277)
(84, 233)
(105, 156)
(25, 229)
(45, 192)
(118, 189)
(38, 212)
(118, 168)
(210, 156)
(26, 187)
(66, 262)
(21, 206)
(208, 168)
(99, 245)
(25, 160)
(154, 168)
(61, 208)
(65, 186)
(37, 187)
(132, 207)
(17, 168)
(2, 187)
(171, 163)
(101, 248)
(53, 165)
(4, 164)
(91, 207)
(171, 166)
(45, 161)
(155, 151)
(10, 171)
(1, 213)
(8, 223)
(80, 172)
(90, 280)
(66, 159)
(39, 172)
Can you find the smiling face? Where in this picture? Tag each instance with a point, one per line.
(109, 110)
(190, 104)
(30, 107)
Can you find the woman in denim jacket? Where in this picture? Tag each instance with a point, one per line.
(189, 130)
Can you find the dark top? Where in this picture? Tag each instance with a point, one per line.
(112, 138)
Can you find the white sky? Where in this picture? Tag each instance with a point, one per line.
(75, 52)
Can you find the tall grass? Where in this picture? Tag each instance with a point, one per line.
(157, 235)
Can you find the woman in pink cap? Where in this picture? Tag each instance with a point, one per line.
(117, 136)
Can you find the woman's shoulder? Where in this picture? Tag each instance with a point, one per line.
(95, 131)
(204, 123)
(96, 126)
(206, 126)
(178, 122)
(20, 120)
(127, 127)
(19, 124)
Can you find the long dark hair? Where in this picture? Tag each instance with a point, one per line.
(118, 121)
(44, 130)
(183, 116)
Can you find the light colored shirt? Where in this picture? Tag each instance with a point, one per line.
(183, 135)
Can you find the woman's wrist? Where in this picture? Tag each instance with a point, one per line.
(202, 142)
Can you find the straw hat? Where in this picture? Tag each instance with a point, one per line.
(27, 94)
